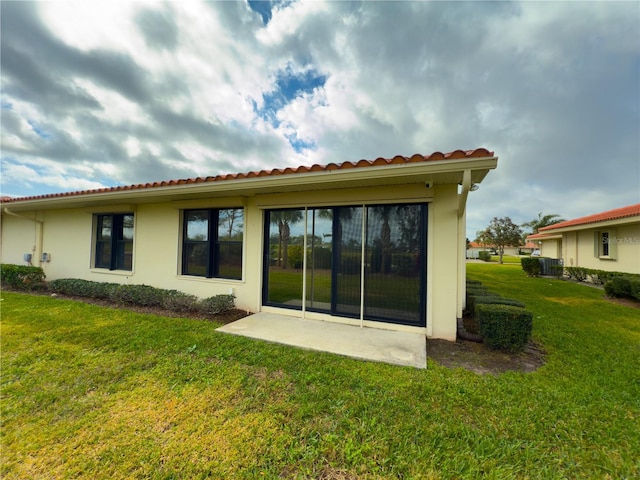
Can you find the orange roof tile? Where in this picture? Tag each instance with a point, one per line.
(436, 156)
(630, 211)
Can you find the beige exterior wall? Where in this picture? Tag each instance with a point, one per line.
(579, 248)
(67, 235)
(551, 249)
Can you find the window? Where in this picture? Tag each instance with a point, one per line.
(364, 261)
(114, 241)
(212, 243)
(605, 245)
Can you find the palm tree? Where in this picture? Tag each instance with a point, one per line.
(283, 218)
(543, 221)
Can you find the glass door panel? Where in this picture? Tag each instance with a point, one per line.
(394, 266)
(285, 233)
(319, 258)
(348, 260)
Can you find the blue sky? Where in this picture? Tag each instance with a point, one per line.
(97, 94)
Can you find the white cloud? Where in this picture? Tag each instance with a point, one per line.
(136, 92)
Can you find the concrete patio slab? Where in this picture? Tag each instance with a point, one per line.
(397, 348)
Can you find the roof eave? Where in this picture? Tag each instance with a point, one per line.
(328, 179)
(592, 225)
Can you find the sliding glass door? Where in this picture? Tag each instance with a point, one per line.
(357, 261)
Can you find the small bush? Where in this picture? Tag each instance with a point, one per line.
(83, 288)
(623, 286)
(577, 273)
(557, 270)
(473, 295)
(179, 301)
(471, 282)
(484, 256)
(142, 295)
(22, 277)
(504, 327)
(217, 304)
(531, 266)
(295, 256)
(495, 300)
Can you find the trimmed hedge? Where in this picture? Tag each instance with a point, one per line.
(531, 266)
(504, 327)
(22, 277)
(83, 288)
(627, 286)
(217, 304)
(484, 256)
(143, 295)
(507, 325)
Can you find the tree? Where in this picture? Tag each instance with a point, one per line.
(500, 233)
(282, 218)
(543, 221)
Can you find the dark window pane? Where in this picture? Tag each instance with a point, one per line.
(197, 225)
(127, 227)
(230, 224)
(104, 227)
(230, 260)
(196, 259)
(103, 255)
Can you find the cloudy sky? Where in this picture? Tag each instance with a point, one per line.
(109, 93)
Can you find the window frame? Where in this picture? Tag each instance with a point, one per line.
(213, 244)
(117, 242)
(605, 249)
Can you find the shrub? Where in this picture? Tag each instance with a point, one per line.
(557, 270)
(504, 327)
(495, 300)
(22, 277)
(295, 256)
(623, 286)
(577, 273)
(82, 288)
(217, 304)
(142, 295)
(531, 266)
(472, 296)
(484, 256)
(179, 301)
(471, 282)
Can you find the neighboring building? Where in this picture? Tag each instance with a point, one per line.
(385, 239)
(475, 248)
(605, 241)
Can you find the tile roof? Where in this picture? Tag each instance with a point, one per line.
(397, 160)
(629, 211)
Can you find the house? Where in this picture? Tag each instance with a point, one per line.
(605, 241)
(376, 243)
(475, 248)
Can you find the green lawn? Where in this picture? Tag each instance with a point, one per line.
(92, 392)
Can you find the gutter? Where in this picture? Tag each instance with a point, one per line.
(39, 233)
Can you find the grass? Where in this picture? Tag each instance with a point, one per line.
(98, 393)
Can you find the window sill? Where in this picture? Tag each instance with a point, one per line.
(602, 257)
(194, 278)
(122, 273)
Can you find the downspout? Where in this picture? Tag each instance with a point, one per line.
(39, 233)
(462, 265)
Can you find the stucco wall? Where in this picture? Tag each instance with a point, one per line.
(67, 236)
(579, 249)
